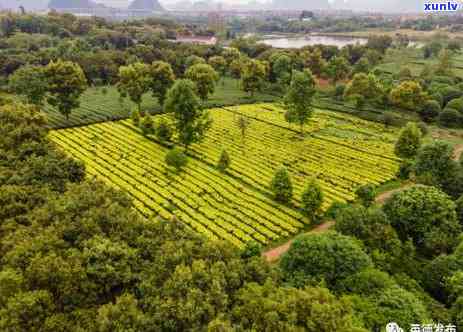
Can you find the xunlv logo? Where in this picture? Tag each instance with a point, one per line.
(441, 6)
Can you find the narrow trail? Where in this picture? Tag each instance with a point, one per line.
(274, 254)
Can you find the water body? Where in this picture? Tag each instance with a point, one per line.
(299, 42)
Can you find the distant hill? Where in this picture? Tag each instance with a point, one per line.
(301, 4)
(27, 4)
(63, 4)
(382, 5)
(152, 5)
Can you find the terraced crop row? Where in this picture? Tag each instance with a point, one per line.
(209, 202)
(236, 206)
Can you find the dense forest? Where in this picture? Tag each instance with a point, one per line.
(78, 253)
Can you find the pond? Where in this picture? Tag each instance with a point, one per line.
(299, 42)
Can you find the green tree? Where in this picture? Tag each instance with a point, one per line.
(135, 116)
(224, 161)
(164, 130)
(176, 158)
(312, 200)
(147, 125)
(268, 308)
(366, 194)
(408, 95)
(426, 215)
(430, 110)
(193, 60)
(409, 141)
(124, 315)
(315, 62)
(282, 68)
(66, 83)
(134, 81)
(253, 76)
(219, 64)
(29, 82)
(338, 69)
(281, 186)
(330, 257)
(190, 120)
(444, 65)
(205, 78)
(436, 159)
(161, 80)
(363, 85)
(298, 99)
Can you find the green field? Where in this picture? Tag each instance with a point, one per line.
(341, 151)
(104, 104)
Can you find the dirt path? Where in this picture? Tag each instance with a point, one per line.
(458, 151)
(275, 254)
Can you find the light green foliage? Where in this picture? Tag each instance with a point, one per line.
(224, 161)
(190, 120)
(219, 64)
(298, 99)
(312, 200)
(426, 215)
(281, 186)
(364, 85)
(204, 77)
(31, 83)
(318, 310)
(408, 95)
(459, 209)
(253, 76)
(176, 158)
(338, 69)
(66, 82)
(330, 257)
(124, 315)
(193, 60)
(134, 81)
(409, 141)
(161, 80)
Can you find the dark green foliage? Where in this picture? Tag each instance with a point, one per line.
(147, 125)
(426, 215)
(423, 128)
(164, 130)
(252, 249)
(459, 209)
(436, 159)
(135, 116)
(176, 158)
(448, 93)
(224, 161)
(366, 194)
(281, 186)
(312, 200)
(409, 141)
(331, 257)
(190, 120)
(450, 118)
(339, 91)
(406, 168)
(430, 110)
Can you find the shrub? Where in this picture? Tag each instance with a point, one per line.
(366, 194)
(135, 116)
(252, 249)
(176, 158)
(339, 91)
(423, 128)
(426, 215)
(456, 104)
(164, 131)
(388, 119)
(281, 186)
(224, 161)
(405, 169)
(312, 200)
(409, 141)
(331, 257)
(459, 209)
(448, 93)
(430, 110)
(450, 118)
(147, 125)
